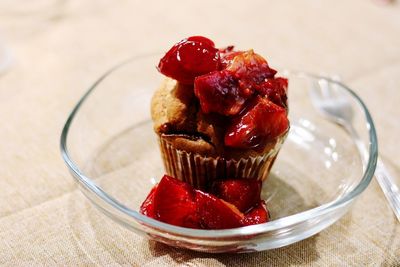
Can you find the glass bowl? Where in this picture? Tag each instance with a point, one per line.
(111, 150)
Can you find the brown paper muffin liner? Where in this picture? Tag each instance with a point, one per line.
(201, 171)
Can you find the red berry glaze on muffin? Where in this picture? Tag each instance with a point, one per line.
(238, 85)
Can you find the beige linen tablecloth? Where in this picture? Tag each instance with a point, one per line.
(60, 47)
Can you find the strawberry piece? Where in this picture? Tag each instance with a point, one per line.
(275, 90)
(242, 193)
(250, 68)
(225, 92)
(215, 213)
(261, 121)
(219, 92)
(175, 203)
(147, 207)
(190, 58)
(258, 214)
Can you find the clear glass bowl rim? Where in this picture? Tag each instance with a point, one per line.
(226, 233)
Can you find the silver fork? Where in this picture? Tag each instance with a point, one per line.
(334, 105)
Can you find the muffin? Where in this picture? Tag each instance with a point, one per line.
(219, 113)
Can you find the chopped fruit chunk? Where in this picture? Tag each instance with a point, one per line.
(174, 203)
(275, 90)
(215, 213)
(258, 214)
(250, 68)
(261, 121)
(226, 91)
(190, 58)
(219, 92)
(147, 207)
(243, 193)
(177, 203)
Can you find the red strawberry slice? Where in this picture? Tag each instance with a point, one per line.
(174, 203)
(177, 203)
(242, 193)
(215, 213)
(250, 68)
(275, 90)
(147, 207)
(190, 58)
(225, 92)
(258, 214)
(219, 92)
(260, 122)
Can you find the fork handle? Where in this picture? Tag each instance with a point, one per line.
(389, 187)
(385, 180)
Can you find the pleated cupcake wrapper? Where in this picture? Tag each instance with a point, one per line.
(200, 171)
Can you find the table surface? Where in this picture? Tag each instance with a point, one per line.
(60, 47)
